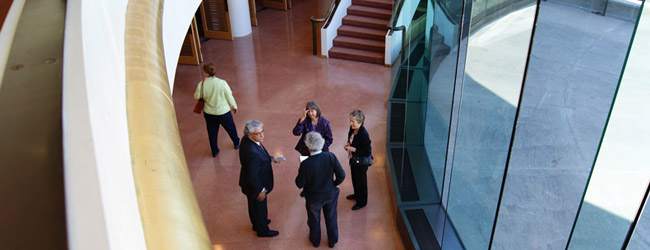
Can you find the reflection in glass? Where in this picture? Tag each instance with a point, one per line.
(496, 57)
(452, 108)
(620, 176)
(413, 176)
(443, 33)
(575, 62)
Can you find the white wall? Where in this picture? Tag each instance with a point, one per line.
(101, 205)
(328, 35)
(177, 16)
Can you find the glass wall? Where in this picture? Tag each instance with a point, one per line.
(619, 180)
(407, 107)
(575, 64)
(497, 114)
(497, 49)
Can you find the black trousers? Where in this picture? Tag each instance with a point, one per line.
(212, 122)
(328, 203)
(258, 213)
(359, 183)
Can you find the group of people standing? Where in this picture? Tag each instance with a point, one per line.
(319, 174)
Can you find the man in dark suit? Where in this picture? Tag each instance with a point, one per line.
(321, 189)
(256, 177)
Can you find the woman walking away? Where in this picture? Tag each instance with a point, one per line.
(216, 110)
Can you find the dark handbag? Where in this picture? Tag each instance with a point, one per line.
(364, 161)
(199, 104)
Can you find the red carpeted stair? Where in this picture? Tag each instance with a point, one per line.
(361, 36)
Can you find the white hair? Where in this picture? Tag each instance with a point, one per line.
(314, 141)
(251, 125)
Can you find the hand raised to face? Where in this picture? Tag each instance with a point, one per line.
(303, 115)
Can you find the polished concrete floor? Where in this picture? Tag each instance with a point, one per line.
(272, 74)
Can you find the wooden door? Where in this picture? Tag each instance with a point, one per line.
(216, 19)
(191, 49)
(277, 4)
(253, 12)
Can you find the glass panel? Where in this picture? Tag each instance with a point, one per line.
(442, 42)
(640, 240)
(497, 52)
(620, 176)
(574, 67)
(407, 103)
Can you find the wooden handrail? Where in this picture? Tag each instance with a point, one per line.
(334, 4)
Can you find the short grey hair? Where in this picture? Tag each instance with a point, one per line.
(358, 116)
(251, 125)
(314, 141)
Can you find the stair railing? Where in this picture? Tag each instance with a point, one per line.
(328, 18)
(392, 24)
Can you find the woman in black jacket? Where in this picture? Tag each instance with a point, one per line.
(358, 146)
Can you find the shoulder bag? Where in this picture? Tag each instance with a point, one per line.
(364, 161)
(199, 104)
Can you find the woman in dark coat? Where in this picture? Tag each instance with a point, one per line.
(311, 120)
(358, 145)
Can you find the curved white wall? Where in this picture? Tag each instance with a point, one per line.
(177, 15)
(102, 210)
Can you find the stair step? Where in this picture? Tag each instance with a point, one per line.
(361, 32)
(357, 55)
(359, 43)
(383, 4)
(367, 22)
(367, 11)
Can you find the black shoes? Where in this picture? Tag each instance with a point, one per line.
(330, 244)
(270, 233)
(268, 221)
(356, 206)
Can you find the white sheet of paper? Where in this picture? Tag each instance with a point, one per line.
(279, 158)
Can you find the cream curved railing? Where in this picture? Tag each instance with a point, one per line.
(170, 214)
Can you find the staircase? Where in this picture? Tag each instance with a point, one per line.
(361, 36)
